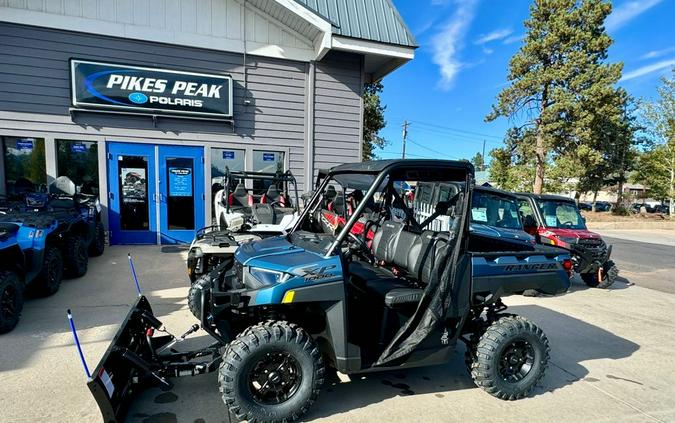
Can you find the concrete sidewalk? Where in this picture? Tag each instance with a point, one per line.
(612, 358)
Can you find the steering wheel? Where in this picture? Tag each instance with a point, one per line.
(568, 223)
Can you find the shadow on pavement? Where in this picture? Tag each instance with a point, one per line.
(573, 342)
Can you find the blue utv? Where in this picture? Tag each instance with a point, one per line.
(286, 308)
(42, 237)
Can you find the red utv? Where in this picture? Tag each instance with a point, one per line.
(556, 220)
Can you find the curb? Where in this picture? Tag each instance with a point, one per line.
(666, 225)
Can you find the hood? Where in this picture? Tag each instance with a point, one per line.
(276, 254)
(264, 248)
(573, 233)
(517, 235)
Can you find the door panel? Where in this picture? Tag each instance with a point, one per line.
(181, 193)
(131, 184)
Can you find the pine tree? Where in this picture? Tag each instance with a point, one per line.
(373, 120)
(478, 162)
(559, 81)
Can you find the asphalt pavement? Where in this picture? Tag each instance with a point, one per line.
(611, 358)
(644, 257)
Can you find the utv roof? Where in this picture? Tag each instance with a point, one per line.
(282, 176)
(545, 197)
(377, 166)
(496, 191)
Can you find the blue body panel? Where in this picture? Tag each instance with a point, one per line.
(305, 268)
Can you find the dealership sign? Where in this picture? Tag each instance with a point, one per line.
(149, 90)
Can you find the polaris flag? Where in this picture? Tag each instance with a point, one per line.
(149, 90)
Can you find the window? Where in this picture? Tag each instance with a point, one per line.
(221, 159)
(24, 160)
(561, 214)
(526, 213)
(268, 162)
(78, 160)
(492, 209)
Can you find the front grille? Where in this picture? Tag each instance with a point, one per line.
(591, 249)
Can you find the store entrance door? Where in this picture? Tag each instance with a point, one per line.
(156, 193)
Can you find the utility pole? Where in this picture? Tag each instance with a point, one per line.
(405, 135)
(482, 167)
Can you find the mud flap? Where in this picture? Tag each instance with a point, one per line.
(129, 364)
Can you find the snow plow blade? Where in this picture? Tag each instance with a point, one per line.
(128, 364)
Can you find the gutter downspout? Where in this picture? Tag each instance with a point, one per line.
(309, 126)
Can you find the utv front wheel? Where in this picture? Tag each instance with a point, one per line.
(272, 372)
(194, 297)
(11, 300)
(511, 358)
(609, 274)
(97, 245)
(77, 258)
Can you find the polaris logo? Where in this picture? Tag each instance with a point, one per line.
(530, 267)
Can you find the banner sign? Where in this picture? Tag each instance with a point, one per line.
(78, 147)
(180, 182)
(228, 155)
(24, 145)
(149, 90)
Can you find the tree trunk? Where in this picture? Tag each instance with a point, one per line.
(671, 205)
(595, 197)
(619, 195)
(540, 154)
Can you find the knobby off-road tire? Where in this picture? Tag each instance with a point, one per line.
(76, 257)
(51, 274)
(11, 300)
(97, 245)
(511, 357)
(281, 354)
(609, 274)
(194, 297)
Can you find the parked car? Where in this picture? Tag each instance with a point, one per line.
(585, 206)
(603, 206)
(289, 306)
(556, 220)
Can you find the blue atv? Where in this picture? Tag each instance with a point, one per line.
(42, 238)
(286, 308)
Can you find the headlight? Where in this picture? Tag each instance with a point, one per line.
(263, 277)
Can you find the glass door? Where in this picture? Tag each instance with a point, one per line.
(181, 193)
(132, 195)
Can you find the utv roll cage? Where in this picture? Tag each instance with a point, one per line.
(277, 178)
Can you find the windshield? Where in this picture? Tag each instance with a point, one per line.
(561, 214)
(495, 210)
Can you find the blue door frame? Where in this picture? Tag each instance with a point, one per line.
(156, 193)
(132, 193)
(181, 193)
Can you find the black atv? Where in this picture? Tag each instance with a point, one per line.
(286, 308)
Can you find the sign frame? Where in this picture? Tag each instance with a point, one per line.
(80, 105)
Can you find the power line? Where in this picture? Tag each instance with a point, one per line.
(458, 137)
(432, 150)
(448, 128)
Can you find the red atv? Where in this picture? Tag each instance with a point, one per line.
(556, 220)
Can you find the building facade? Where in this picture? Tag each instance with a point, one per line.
(146, 102)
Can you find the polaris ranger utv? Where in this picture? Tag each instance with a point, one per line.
(243, 216)
(556, 220)
(287, 307)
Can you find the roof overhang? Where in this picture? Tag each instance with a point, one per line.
(380, 59)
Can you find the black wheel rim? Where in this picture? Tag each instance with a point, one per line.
(516, 361)
(274, 378)
(8, 303)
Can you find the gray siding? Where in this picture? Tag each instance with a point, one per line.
(337, 114)
(34, 78)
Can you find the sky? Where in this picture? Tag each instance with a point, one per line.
(461, 65)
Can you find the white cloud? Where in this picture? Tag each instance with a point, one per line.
(657, 53)
(447, 43)
(493, 36)
(627, 11)
(645, 70)
(513, 39)
(488, 50)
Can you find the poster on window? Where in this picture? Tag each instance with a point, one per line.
(180, 182)
(134, 185)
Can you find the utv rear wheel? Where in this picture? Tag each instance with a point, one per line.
(77, 258)
(511, 358)
(194, 297)
(272, 372)
(609, 274)
(98, 243)
(11, 300)
(49, 279)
